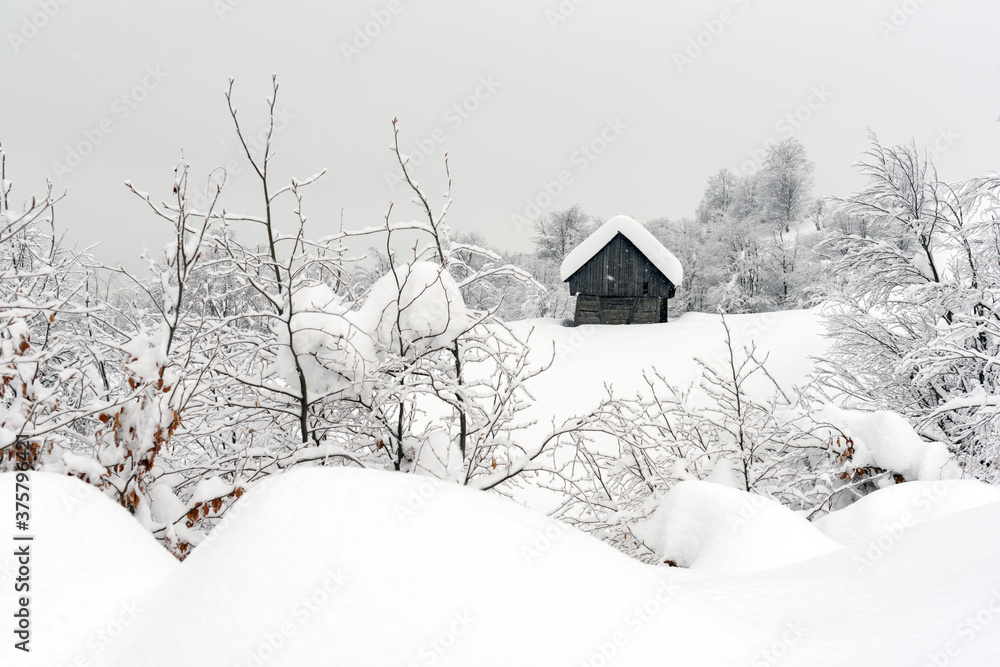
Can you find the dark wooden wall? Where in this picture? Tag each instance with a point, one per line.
(620, 269)
(620, 310)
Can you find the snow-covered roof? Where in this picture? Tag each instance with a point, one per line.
(647, 244)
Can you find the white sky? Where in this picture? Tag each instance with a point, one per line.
(559, 87)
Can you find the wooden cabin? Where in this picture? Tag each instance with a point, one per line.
(621, 274)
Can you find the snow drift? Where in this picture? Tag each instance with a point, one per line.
(707, 526)
(886, 440)
(902, 506)
(338, 566)
(91, 566)
(365, 568)
(362, 568)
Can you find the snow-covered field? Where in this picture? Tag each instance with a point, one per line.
(342, 566)
(589, 358)
(366, 568)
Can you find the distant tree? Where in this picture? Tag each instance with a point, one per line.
(798, 267)
(720, 195)
(546, 296)
(697, 248)
(749, 198)
(746, 257)
(747, 269)
(787, 182)
(558, 233)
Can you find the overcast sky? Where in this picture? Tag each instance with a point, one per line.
(661, 94)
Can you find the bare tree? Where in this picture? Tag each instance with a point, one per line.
(558, 233)
(787, 179)
(741, 428)
(719, 198)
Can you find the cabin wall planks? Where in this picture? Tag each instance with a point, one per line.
(619, 285)
(620, 310)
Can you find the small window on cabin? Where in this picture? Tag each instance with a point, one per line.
(645, 289)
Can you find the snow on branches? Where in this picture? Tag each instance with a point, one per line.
(914, 304)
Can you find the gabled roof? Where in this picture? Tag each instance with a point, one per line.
(647, 244)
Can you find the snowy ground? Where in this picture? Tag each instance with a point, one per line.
(91, 565)
(367, 568)
(589, 357)
(341, 566)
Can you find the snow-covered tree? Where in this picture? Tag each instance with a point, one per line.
(449, 386)
(719, 198)
(736, 425)
(913, 304)
(556, 234)
(787, 182)
(698, 248)
(49, 371)
(749, 273)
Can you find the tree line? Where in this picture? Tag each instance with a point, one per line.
(748, 248)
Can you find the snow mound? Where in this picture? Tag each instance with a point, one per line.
(91, 565)
(425, 307)
(333, 354)
(335, 566)
(714, 528)
(654, 251)
(902, 506)
(352, 567)
(928, 596)
(337, 347)
(886, 440)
